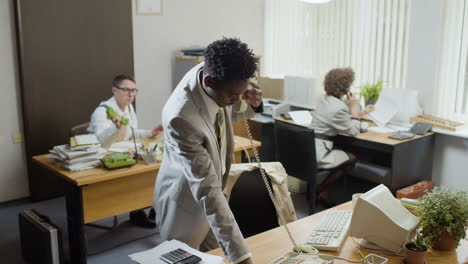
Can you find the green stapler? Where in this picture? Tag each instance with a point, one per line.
(118, 160)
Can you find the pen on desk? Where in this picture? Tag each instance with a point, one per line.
(155, 145)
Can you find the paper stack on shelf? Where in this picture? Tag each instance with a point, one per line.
(73, 160)
(153, 255)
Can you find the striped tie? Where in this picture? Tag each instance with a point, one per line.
(219, 125)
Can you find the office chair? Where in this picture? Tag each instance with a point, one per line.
(79, 129)
(251, 205)
(295, 149)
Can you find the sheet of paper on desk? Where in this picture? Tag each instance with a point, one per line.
(385, 109)
(123, 146)
(152, 256)
(301, 117)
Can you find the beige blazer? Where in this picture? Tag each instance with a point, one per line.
(332, 117)
(188, 196)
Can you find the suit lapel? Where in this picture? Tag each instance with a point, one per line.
(198, 100)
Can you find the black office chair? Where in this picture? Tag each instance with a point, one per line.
(295, 149)
(79, 129)
(251, 205)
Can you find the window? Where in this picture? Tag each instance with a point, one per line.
(451, 93)
(371, 36)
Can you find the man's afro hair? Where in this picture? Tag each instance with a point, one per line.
(230, 59)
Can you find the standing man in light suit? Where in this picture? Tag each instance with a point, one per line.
(199, 142)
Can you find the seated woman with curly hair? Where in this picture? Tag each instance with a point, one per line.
(338, 112)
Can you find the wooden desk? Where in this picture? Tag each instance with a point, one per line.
(272, 244)
(99, 193)
(408, 161)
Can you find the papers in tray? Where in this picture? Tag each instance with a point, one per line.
(153, 255)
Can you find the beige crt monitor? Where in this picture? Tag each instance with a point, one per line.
(379, 218)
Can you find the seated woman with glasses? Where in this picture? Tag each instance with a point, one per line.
(109, 130)
(338, 112)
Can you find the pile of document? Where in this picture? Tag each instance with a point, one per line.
(153, 255)
(82, 153)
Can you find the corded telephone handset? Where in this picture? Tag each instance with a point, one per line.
(310, 255)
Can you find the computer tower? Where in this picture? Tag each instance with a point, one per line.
(41, 240)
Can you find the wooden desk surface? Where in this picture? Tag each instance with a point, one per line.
(242, 142)
(369, 135)
(90, 176)
(269, 245)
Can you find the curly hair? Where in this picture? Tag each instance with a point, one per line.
(338, 80)
(229, 59)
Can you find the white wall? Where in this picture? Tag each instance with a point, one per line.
(425, 33)
(185, 23)
(13, 174)
(451, 161)
(450, 153)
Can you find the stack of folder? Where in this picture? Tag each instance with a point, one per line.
(82, 153)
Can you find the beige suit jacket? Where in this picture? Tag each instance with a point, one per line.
(188, 196)
(332, 117)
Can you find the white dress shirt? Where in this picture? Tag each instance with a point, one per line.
(106, 131)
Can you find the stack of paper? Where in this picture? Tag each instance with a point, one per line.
(84, 142)
(153, 255)
(76, 160)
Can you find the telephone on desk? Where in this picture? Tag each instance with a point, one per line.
(304, 254)
(417, 129)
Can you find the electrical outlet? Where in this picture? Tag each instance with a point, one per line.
(17, 137)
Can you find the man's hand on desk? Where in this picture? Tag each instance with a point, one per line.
(156, 130)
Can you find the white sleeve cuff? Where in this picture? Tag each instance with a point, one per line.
(244, 257)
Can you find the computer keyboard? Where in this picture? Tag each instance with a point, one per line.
(332, 230)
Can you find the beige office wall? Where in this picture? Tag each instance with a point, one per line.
(184, 23)
(13, 174)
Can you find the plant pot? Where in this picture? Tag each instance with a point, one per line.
(413, 256)
(370, 101)
(444, 242)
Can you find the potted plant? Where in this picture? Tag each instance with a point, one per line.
(371, 92)
(416, 250)
(444, 217)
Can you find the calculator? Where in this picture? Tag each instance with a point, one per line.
(180, 256)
